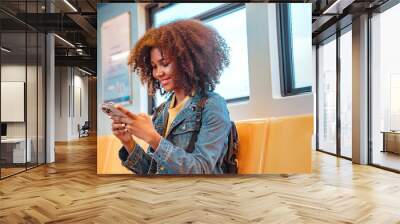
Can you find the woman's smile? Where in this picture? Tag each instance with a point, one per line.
(165, 82)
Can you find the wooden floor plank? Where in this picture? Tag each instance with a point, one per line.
(70, 191)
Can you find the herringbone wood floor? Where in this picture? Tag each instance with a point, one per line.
(69, 191)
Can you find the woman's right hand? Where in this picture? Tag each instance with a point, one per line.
(120, 131)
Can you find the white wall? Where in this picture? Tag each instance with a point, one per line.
(67, 114)
(79, 117)
(61, 104)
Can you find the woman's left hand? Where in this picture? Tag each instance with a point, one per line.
(141, 126)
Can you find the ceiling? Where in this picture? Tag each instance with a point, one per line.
(75, 21)
(332, 15)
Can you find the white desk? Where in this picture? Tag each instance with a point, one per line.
(18, 150)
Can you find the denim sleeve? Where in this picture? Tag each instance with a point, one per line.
(138, 161)
(211, 143)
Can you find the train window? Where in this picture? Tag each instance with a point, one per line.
(181, 11)
(230, 21)
(295, 49)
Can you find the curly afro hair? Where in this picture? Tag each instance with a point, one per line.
(199, 52)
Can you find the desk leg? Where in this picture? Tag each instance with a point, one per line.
(384, 142)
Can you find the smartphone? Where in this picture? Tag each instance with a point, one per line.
(110, 110)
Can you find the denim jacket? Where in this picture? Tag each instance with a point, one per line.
(170, 157)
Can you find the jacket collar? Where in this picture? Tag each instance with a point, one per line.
(186, 112)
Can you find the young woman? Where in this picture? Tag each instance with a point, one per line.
(184, 59)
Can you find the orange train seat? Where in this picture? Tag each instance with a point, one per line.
(252, 141)
(279, 145)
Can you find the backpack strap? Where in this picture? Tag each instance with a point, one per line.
(230, 164)
(156, 112)
(199, 109)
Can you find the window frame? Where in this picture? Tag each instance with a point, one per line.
(208, 15)
(285, 54)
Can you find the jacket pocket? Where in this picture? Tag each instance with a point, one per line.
(159, 128)
(182, 134)
(185, 127)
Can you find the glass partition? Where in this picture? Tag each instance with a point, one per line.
(22, 64)
(385, 89)
(31, 98)
(327, 96)
(13, 86)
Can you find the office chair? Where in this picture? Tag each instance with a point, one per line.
(84, 130)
